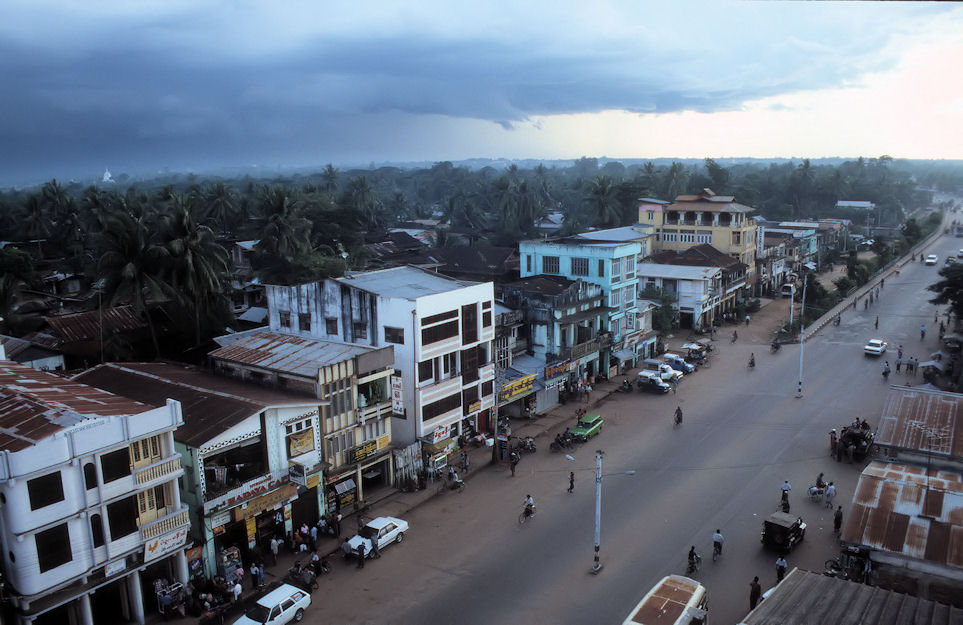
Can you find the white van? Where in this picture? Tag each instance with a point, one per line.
(676, 600)
(285, 604)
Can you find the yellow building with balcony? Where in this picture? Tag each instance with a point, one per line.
(716, 220)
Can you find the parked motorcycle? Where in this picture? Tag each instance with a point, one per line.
(302, 577)
(527, 444)
(625, 387)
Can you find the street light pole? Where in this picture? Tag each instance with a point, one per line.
(597, 566)
(802, 335)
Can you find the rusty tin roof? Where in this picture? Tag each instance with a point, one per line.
(909, 510)
(925, 420)
(35, 405)
(210, 404)
(85, 326)
(805, 597)
(298, 355)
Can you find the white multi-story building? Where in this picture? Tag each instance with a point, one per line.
(90, 511)
(696, 291)
(441, 330)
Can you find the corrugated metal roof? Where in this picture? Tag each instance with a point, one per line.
(85, 326)
(919, 419)
(908, 510)
(289, 353)
(680, 272)
(210, 404)
(807, 598)
(35, 405)
(403, 282)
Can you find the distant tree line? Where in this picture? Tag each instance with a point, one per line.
(166, 240)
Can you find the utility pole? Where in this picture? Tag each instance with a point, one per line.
(597, 565)
(802, 336)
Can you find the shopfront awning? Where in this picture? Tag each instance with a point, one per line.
(440, 446)
(345, 486)
(932, 363)
(310, 461)
(624, 355)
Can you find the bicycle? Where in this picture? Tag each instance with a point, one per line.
(716, 551)
(677, 421)
(526, 515)
(693, 566)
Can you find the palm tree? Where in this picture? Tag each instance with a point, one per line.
(200, 269)
(364, 199)
(602, 199)
(131, 266)
(329, 179)
(222, 207)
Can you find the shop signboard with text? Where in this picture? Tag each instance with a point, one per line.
(517, 388)
(249, 490)
(441, 434)
(164, 544)
(397, 395)
(557, 369)
(365, 450)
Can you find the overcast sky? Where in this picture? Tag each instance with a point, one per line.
(193, 84)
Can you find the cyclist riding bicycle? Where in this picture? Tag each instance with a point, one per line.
(529, 505)
(752, 360)
(717, 541)
(678, 415)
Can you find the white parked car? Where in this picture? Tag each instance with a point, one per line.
(931, 259)
(384, 529)
(875, 347)
(285, 604)
(960, 254)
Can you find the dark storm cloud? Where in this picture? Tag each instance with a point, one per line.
(190, 87)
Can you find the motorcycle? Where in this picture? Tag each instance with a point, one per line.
(527, 444)
(625, 387)
(816, 493)
(774, 347)
(303, 577)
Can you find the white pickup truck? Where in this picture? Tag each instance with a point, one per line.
(665, 372)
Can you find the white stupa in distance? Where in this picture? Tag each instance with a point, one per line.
(107, 177)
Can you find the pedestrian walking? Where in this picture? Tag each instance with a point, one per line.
(465, 460)
(899, 361)
(675, 385)
(514, 462)
(253, 576)
(275, 545)
(865, 304)
(260, 574)
(899, 351)
(877, 322)
(833, 440)
(337, 525)
(830, 495)
(838, 519)
(747, 321)
(588, 393)
(239, 574)
(375, 550)
(314, 534)
(755, 591)
(361, 550)
(238, 591)
(780, 568)
(571, 481)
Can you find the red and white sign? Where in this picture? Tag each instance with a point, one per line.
(441, 433)
(163, 545)
(255, 488)
(397, 396)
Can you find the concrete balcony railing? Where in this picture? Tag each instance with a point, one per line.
(577, 351)
(173, 521)
(371, 411)
(159, 470)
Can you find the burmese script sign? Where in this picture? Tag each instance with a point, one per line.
(518, 387)
(254, 488)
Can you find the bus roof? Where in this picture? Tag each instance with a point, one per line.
(667, 601)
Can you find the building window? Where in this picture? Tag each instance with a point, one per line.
(122, 517)
(145, 451)
(628, 297)
(449, 363)
(468, 397)
(45, 490)
(630, 322)
(97, 530)
(616, 270)
(425, 370)
(395, 335)
(360, 330)
(331, 325)
(487, 319)
(580, 266)
(487, 388)
(651, 215)
(304, 322)
(440, 407)
(427, 321)
(601, 268)
(150, 501)
(469, 324)
(487, 305)
(528, 263)
(53, 547)
(550, 264)
(704, 236)
(284, 319)
(439, 332)
(90, 475)
(614, 298)
(629, 267)
(469, 365)
(115, 465)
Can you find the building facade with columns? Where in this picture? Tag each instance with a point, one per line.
(90, 511)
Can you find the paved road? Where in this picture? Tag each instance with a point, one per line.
(466, 560)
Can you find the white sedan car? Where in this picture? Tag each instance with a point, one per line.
(384, 529)
(875, 347)
(932, 259)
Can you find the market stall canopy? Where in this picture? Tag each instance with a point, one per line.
(933, 363)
